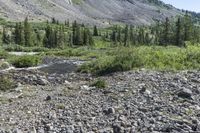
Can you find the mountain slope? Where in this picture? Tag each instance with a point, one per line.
(100, 12)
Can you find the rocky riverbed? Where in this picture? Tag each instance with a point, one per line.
(136, 102)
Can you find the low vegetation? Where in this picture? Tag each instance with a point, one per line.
(99, 83)
(157, 58)
(6, 83)
(25, 61)
(3, 54)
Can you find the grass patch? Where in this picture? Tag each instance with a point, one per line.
(25, 61)
(3, 54)
(6, 83)
(78, 2)
(99, 84)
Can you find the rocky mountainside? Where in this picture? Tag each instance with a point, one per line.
(100, 12)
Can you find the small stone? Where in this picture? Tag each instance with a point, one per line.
(33, 130)
(17, 131)
(85, 87)
(49, 127)
(70, 129)
(122, 118)
(142, 88)
(52, 115)
(148, 92)
(48, 98)
(42, 82)
(117, 128)
(111, 111)
(28, 112)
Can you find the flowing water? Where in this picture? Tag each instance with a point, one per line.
(49, 65)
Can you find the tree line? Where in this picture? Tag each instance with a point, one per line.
(169, 32)
(55, 35)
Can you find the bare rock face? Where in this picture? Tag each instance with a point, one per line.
(99, 12)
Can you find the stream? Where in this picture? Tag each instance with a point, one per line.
(50, 65)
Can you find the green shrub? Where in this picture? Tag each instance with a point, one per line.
(3, 54)
(154, 58)
(25, 61)
(6, 83)
(99, 84)
(4, 65)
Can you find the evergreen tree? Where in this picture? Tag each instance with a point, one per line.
(48, 41)
(5, 37)
(132, 36)
(53, 20)
(85, 37)
(95, 33)
(17, 34)
(126, 41)
(38, 38)
(187, 27)
(91, 41)
(79, 40)
(70, 40)
(119, 35)
(21, 34)
(74, 32)
(166, 39)
(141, 36)
(114, 37)
(61, 37)
(179, 40)
(67, 23)
(27, 33)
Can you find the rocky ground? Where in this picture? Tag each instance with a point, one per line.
(136, 102)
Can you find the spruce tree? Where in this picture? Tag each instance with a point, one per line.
(166, 39)
(21, 34)
(5, 37)
(27, 33)
(126, 37)
(79, 38)
(48, 37)
(95, 33)
(85, 36)
(61, 37)
(74, 32)
(114, 37)
(38, 38)
(17, 34)
(141, 36)
(91, 41)
(187, 27)
(119, 35)
(53, 20)
(179, 41)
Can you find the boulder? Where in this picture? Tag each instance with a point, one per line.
(185, 93)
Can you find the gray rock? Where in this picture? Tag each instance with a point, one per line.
(111, 110)
(42, 81)
(185, 93)
(117, 128)
(85, 87)
(48, 98)
(17, 131)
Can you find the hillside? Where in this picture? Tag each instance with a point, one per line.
(100, 12)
